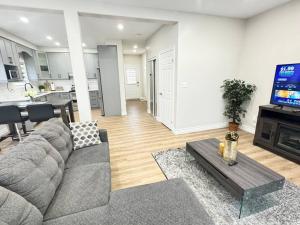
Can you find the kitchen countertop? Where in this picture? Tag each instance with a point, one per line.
(39, 94)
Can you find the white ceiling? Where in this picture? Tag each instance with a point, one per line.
(95, 30)
(230, 8)
(100, 29)
(40, 25)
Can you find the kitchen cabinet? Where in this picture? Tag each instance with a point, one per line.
(59, 65)
(36, 64)
(91, 65)
(8, 52)
(43, 65)
(94, 99)
(3, 78)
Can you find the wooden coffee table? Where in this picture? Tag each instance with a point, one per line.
(246, 180)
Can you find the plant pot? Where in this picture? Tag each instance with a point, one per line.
(233, 126)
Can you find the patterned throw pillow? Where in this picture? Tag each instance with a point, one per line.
(85, 134)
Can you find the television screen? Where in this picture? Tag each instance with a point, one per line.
(286, 87)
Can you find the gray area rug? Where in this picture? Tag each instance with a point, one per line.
(278, 208)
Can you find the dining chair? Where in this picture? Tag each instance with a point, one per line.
(40, 112)
(11, 114)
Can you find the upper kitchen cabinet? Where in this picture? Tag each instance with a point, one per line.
(43, 66)
(8, 52)
(91, 65)
(27, 63)
(59, 65)
(3, 77)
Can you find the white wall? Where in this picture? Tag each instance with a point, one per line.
(165, 38)
(208, 53)
(271, 38)
(132, 91)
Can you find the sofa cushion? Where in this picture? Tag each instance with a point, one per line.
(82, 188)
(32, 169)
(15, 210)
(57, 137)
(85, 134)
(89, 155)
(170, 203)
(60, 123)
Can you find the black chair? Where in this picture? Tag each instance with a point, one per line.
(40, 112)
(11, 115)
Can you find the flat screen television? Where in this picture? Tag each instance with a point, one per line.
(286, 86)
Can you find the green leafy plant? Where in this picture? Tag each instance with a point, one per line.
(41, 87)
(236, 93)
(232, 136)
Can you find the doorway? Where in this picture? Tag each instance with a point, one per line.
(132, 79)
(166, 87)
(152, 84)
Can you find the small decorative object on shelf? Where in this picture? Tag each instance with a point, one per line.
(230, 148)
(221, 149)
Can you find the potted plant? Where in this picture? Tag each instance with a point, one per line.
(236, 93)
(41, 88)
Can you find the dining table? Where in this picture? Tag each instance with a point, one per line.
(64, 105)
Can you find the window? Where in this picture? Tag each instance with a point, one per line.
(131, 75)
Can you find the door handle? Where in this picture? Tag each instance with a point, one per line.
(160, 93)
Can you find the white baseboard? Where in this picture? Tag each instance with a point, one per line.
(248, 128)
(200, 128)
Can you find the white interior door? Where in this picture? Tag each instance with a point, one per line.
(132, 87)
(166, 87)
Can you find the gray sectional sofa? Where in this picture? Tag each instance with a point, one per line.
(43, 181)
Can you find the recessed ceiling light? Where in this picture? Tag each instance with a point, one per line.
(57, 43)
(135, 46)
(24, 19)
(120, 26)
(49, 37)
(83, 45)
(134, 50)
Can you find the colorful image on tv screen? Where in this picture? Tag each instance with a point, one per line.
(286, 88)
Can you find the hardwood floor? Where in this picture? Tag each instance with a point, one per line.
(134, 137)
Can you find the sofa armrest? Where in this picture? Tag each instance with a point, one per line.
(103, 135)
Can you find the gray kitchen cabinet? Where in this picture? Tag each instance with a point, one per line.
(59, 65)
(36, 64)
(43, 65)
(91, 65)
(3, 77)
(8, 52)
(94, 99)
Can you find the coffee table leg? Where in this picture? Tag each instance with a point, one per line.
(241, 207)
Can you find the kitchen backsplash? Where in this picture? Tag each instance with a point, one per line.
(13, 91)
(16, 90)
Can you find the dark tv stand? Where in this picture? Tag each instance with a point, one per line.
(278, 130)
(278, 106)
